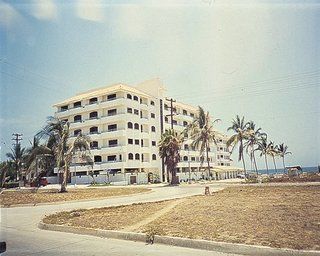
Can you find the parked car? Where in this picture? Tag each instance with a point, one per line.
(241, 176)
(43, 181)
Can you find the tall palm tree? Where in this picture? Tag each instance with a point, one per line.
(38, 157)
(58, 132)
(272, 151)
(263, 148)
(239, 127)
(283, 150)
(17, 155)
(253, 137)
(169, 147)
(203, 135)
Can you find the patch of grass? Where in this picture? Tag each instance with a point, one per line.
(11, 197)
(110, 218)
(276, 216)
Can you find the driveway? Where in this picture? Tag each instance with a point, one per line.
(19, 228)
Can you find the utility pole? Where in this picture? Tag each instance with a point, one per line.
(17, 137)
(171, 110)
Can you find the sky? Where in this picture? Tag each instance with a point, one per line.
(255, 59)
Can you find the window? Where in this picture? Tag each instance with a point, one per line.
(166, 119)
(193, 159)
(77, 104)
(191, 114)
(112, 97)
(94, 144)
(77, 132)
(136, 126)
(64, 108)
(113, 143)
(112, 127)
(185, 112)
(152, 103)
(112, 112)
(136, 112)
(153, 129)
(153, 143)
(136, 142)
(130, 156)
(166, 107)
(153, 115)
(185, 158)
(97, 159)
(130, 125)
(93, 100)
(77, 119)
(154, 157)
(129, 96)
(174, 122)
(185, 124)
(93, 130)
(186, 147)
(93, 115)
(135, 98)
(137, 156)
(130, 141)
(112, 158)
(129, 110)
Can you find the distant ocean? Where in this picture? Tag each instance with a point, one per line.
(280, 170)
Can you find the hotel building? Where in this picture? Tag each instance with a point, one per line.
(125, 124)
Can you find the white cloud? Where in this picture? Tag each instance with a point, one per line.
(44, 10)
(9, 16)
(90, 10)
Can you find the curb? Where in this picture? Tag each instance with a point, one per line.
(182, 242)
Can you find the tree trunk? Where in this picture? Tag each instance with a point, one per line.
(244, 165)
(64, 181)
(275, 167)
(255, 163)
(209, 172)
(266, 160)
(284, 166)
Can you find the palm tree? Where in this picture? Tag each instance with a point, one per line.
(239, 127)
(169, 147)
(17, 155)
(272, 151)
(203, 134)
(254, 136)
(57, 132)
(37, 156)
(263, 148)
(283, 150)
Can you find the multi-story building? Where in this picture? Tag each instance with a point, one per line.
(125, 124)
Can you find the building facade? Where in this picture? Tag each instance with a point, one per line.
(125, 124)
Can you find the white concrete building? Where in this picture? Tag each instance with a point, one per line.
(125, 124)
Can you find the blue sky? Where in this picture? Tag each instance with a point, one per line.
(257, 59)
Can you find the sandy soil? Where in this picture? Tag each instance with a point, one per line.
(276, 216)
(11, 197)
(110, 218)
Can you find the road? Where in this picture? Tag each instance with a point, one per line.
(19, 228)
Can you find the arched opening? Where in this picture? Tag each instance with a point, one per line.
(135, 98)
(154, 157)
(130, 125)
(93, 130)
(77, 118)
(129, 96)
(93, 115)
(136, 126)
(97, 159)
(77, 132)
(153, 129)
(130, 156)
(185, 158)
(137, 156)
(94, 144)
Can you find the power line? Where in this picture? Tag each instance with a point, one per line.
(250, 84)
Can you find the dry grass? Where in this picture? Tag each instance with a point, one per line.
(276, 216)
(110, 218)
(11, 197)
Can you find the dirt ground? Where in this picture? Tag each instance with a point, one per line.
(110, 218)
(276, 216)
(10, 197)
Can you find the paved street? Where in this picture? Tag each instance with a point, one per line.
(19, 228)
